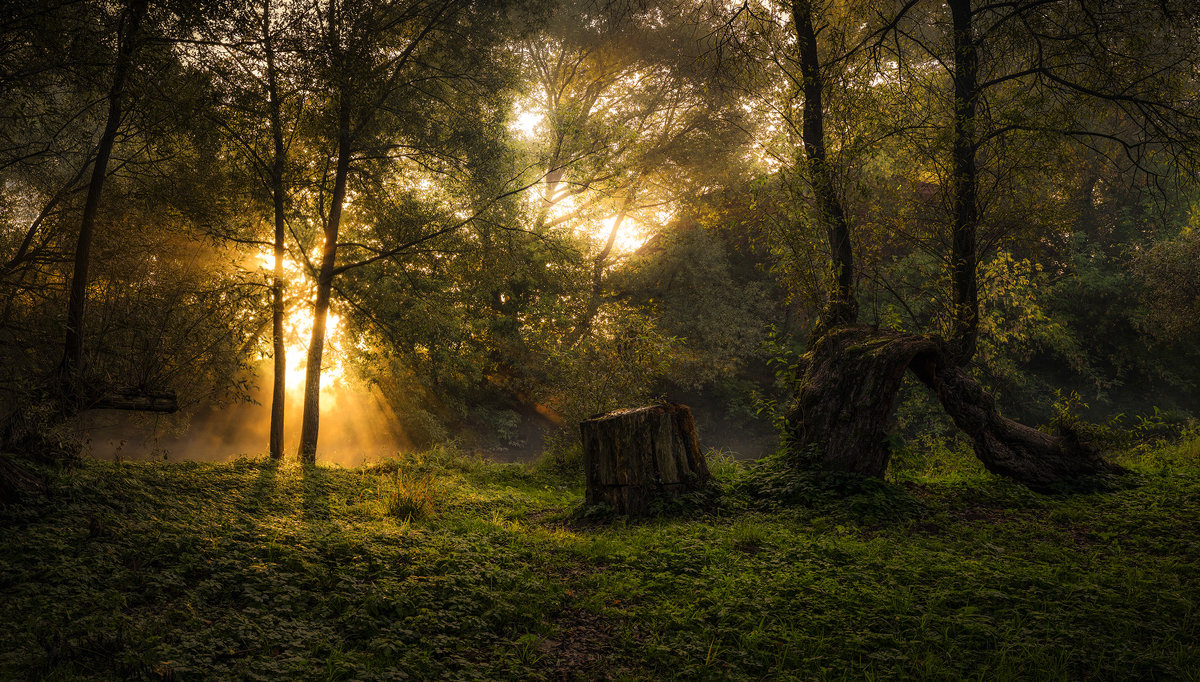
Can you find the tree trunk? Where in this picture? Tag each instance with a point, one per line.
(316, 347)
(633, 457)
(278, 343)
(1040, 460)
(839, 422)
(965, 179)
(71, 368)
(842, 305)
(136, 400)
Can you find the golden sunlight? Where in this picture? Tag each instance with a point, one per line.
(526, 123)
(631, 234)
(298, 326)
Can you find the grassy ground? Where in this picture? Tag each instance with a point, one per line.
(452, 568)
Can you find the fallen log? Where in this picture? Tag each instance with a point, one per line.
(136, 400)
(633, 457)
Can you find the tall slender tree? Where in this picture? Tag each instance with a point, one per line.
(840, 424)
(128, 38)
(392, 71)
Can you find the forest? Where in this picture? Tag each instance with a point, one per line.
(599, 339)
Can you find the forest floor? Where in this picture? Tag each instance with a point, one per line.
(441, 566)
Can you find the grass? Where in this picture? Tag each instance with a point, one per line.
(441, 566)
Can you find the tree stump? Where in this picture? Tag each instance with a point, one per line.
(632, 457)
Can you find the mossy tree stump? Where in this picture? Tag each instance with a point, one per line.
(634, 456)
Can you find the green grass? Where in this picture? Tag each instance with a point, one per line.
(441, 566)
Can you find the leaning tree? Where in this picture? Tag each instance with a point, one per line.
(1084, 63)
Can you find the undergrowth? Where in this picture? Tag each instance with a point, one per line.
(443, 565)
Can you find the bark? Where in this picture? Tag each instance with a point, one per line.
(1040, 460)
(136, 400)
(310, 420)
(965, 180)
(278, 342)
(633, 457)
(842, 305)
(71, 368)
(839, 422)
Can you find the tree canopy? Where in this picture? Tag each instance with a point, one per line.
(501, 218)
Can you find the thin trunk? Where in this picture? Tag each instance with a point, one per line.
(279, 345)
(71, 368)
(966, 213)
(316, 347)
(593, 306)
(842, 308)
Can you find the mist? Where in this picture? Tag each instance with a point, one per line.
(357, 426)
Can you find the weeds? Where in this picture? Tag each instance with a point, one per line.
(254, 570)
(410, 497)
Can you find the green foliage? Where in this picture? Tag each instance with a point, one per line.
(687, 271)
(777, 482)
(932, 456)
(614, 366)
(1170, 278)
(786, 362)
(721, 463)
(562, 455)
(252, 569)
(1169, 456)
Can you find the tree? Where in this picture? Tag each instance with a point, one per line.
(632, 127)
(154, 319)
(411, 65)
(127, 39)
(261, 84)
(842, 425)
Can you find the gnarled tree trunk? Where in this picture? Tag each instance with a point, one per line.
(847, 396)
(633, 457)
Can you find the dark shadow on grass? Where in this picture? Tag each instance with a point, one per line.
(264, 486)
(771, 484)
(316, 484)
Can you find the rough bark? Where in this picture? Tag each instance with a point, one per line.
(633, 457)
(310, 420)
(847, 395)
(1040, 460)
(72, 362)
(136, 401)
(964, 184)
(842, 305)
(278, 342)
(839, 420)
